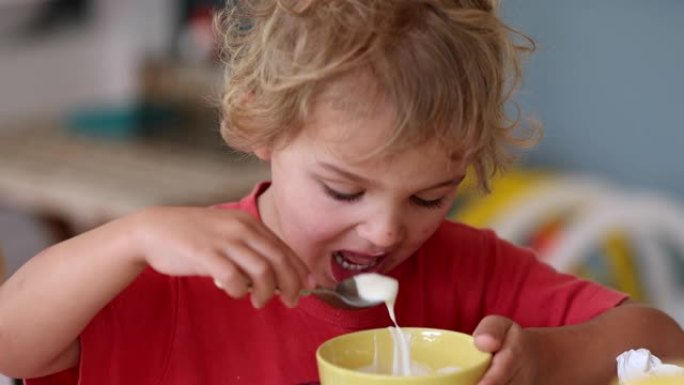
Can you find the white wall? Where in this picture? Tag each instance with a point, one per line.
(607, 83)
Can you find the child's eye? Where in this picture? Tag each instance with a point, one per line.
(431, 204)
(342, 196)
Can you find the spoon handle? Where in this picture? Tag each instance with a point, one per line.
(319, 290)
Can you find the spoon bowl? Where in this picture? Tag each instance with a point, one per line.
(345, 291)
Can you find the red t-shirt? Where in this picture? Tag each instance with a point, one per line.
(183, 330)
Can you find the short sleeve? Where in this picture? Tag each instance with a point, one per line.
(533, 293)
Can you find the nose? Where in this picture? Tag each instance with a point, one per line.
(382, 230)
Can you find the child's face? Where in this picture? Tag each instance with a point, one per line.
(343, 216)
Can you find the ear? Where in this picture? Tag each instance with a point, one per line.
(263, 153)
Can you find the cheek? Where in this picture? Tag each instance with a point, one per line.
(315, 220)
(313, 232)
(318, 222)
(426, 231)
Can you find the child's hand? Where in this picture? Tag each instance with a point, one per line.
(514, 361)
(230, 246)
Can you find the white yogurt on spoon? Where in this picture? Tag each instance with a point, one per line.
(374, 287)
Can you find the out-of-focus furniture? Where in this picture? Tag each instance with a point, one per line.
(77, 182)
(627, 238)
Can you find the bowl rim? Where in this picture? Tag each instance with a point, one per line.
(319, 358)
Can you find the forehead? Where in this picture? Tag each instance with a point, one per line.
(354, 95)
(353, 107)
(353, 115)
(353, 132)
(352, 120)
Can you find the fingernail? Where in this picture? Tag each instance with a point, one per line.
(289, 303)
(255, 303)
(218, 284)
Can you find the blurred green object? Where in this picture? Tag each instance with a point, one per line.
(121, 122)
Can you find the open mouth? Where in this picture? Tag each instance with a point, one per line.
(350, 265)
(346, 263)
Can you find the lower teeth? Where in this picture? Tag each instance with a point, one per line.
(348, 265)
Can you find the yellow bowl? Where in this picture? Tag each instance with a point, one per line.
(340, 358)
(662, 380)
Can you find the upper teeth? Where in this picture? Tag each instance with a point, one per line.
(350, 265)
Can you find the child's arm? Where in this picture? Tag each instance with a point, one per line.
(49, 301)
(580, 354)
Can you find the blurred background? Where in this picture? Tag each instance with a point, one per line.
(107, 106)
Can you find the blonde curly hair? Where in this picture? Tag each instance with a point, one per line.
(448, 68)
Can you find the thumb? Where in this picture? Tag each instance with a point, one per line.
(491, 332)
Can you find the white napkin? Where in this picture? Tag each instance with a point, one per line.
(636, 364)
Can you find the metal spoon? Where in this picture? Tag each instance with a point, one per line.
(345, 291)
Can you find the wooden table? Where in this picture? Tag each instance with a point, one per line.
(83, 181)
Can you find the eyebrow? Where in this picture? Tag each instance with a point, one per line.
(359, 179)
(451, 182)
(344, 173)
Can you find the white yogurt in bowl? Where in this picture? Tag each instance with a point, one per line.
(380, 288)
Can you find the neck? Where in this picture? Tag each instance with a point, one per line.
(268, 211)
